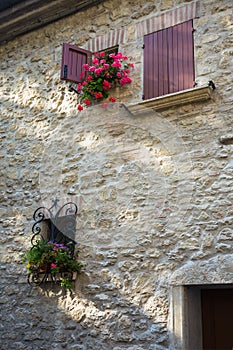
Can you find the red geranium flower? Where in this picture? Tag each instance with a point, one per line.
(87, 102)
(112, 99)
(106, 83)
(98, 95)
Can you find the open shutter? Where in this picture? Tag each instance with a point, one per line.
(73, 58)
(168, 60)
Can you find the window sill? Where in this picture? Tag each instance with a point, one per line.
(172, 100)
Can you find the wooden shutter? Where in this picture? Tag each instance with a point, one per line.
(168, 60)
(73, 58)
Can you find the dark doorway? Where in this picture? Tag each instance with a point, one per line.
(217, 319)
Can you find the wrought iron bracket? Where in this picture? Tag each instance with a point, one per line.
(57, 228)
(72, 89)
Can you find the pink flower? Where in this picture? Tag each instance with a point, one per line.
(84, 83)
(89, 78)
(98, 70)
(102, 54)
(118, 75)
(86, 66)
(95, 60)
(125, 80)
(102, 61)
(53, 266)
(106, 83)
(104, 104)
(126, 71)
(116, 64)
(80, 108)
(82, 74)
(79, 87)
(112, 99)
(118, 56)
(92, 68)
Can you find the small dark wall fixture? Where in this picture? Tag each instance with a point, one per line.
(211, 84)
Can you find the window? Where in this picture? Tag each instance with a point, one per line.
(60, 230)
(169, 60)
(73, 58)
(110, 50)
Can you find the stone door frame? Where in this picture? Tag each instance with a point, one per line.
(185, 323)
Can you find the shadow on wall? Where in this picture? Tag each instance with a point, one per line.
(47, 318)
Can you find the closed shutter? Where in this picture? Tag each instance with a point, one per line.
(73, 58)
(168, 60)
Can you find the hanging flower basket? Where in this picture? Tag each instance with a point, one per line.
(51, 261)
(104, 73)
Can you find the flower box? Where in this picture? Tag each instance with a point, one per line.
(51, 262)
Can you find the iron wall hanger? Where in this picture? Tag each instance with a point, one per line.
(57, 228)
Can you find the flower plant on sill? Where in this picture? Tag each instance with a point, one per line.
(105, 72)
(52, 259)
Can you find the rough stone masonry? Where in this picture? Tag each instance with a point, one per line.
(154, 190)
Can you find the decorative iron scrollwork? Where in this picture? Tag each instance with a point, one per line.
(59, 228)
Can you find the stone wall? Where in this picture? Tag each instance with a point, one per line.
(153, 190)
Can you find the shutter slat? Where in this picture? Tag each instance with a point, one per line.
(165, 62)
(184, 38)
(145, 68)
(148, 66)
(189, 50)
(174, 57)
(155, 73)
(160, 63)
(73, 58)
(170, 60)
(181, 50)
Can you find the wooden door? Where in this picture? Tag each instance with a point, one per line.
(217, 319)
